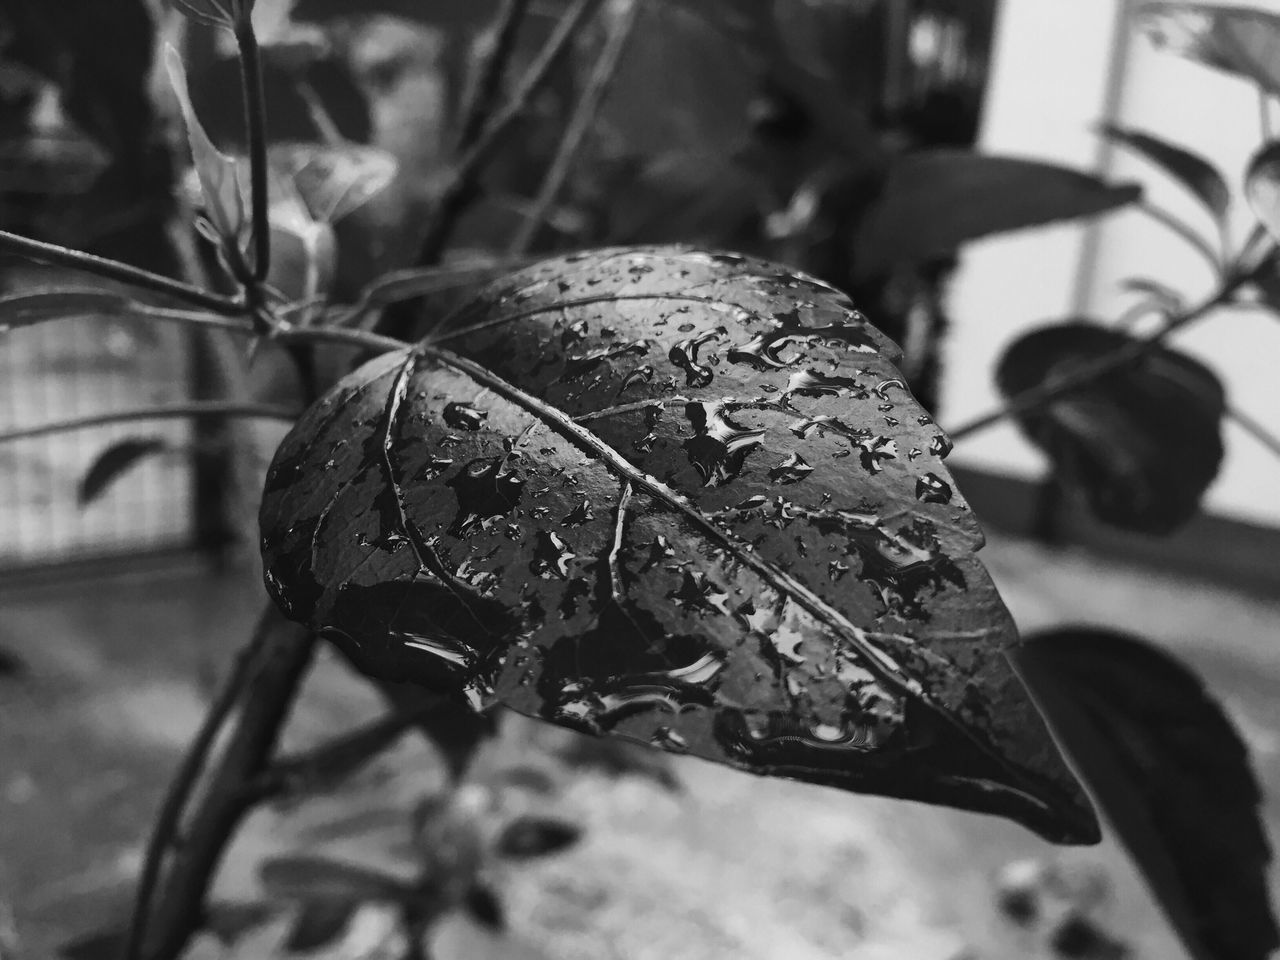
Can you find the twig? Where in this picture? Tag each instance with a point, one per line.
(1256, 429)
(1202, 246)
(338, 758)
(123, 272)
(458, 189)
(375, 342)
(602, 74)
(184, 781)
(255, 125)
(1086, 373)
(490, 67)
(274, 676)
(166, 411)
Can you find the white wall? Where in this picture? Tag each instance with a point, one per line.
(1061, 68)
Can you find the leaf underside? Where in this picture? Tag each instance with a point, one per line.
(677, 497)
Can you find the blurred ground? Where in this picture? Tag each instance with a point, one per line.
(118, 670)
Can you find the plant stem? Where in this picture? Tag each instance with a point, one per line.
(340, 757)
(1086, 373)
(273, 677)
(167, 411)
(1201, 246)
(375, 342)
(602, 74)
(184, 781)
(255, 125)
(1256, 429)
(458, 189)
(123, 272)
(490, 66)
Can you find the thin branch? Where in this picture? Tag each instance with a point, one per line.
(255, 125)
(1264, 115)
(274, 677)
(1201, 246)
(460, 186)
(1256, 429)
(340, 757)
(167, 411)
(123, 272)
(375, 342)
(1041, 396)
(184, 782)
(602, 74)
(489, 68)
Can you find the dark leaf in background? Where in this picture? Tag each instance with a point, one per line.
(485, 907)
(112, 462)
(1191, 170)
(1142, 443)
(320, 923)
(11, 664)
(1237, 40)
(1171, 774)
(616, 758)
(527, 837)
(1262, 187)
(58, 303)
(935, 200)
(711, 518)
(305, 878)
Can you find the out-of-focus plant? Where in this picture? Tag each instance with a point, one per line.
(656, 493)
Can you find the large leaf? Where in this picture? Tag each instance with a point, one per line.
(678, 497)
(1239, 40)
(1190, 169)
(1262, 187)
(935, 200)
(1171, 774)
(1141, 443)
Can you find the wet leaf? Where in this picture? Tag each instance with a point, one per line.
(1172, 776)
(1190, 169)
(113, 462)
(676, 497)
(1237, 40)
(218, 174)
(1262, 187)
(57, 303)
(528, 837)
(1140, 444)
(935, 200)
(310, 878)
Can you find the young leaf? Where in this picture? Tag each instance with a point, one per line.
(217, 173)
(320, 923)
(677, 497)
(112, 462)
(527, 837)
(213, 13)
(933, 201)
(1170, 773)
(1169, 299)
(305, 878)
(1237, 40)
(1190, 169)
(1262, 186)
(57, 303)
(1141, 443)
(334, 181)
